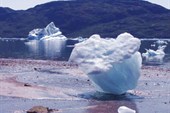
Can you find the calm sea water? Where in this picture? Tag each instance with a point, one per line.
(56, 50)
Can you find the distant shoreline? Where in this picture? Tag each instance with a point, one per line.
(165, 39)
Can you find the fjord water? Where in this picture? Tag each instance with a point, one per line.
(59, 50)
(34, 49)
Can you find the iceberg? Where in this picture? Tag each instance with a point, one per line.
(113, 65)
(50, 31)
(161, 42)
(47, 41)
(35, 34)
(155, 56)
(124, 109)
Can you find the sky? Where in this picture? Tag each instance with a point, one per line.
(25, 4)
(164, 3)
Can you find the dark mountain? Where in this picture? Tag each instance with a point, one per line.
(86, 17)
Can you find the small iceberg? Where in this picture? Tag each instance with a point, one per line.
(124, 109)
(113, 65)
(155, 56)
(47, 41)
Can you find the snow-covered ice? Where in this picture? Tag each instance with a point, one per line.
(113, 65)
(124, 109)
(155, 56)
(48, 41)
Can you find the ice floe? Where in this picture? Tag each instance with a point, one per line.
(124, 109)
(155, 56)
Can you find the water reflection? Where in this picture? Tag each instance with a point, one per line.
(108, 103)
(109, 106)
(33, 46)
(49, 48)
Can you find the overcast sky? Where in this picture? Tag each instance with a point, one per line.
(25, 4)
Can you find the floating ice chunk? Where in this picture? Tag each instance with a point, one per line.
(124, 109)
(155, 56)
(79, 39)
(161, 42)
(49, 31)
(113, 65)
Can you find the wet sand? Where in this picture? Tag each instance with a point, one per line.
(64, 88)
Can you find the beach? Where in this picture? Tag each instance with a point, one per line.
(62, 87)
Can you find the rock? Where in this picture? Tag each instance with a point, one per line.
(40, 109)
(27, 85)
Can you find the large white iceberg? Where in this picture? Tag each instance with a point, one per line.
(113, 65)
(50, 31)
(155, 56)
(48, 41)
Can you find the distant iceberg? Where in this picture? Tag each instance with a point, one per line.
(113, 65)
(155, 56)
(47, 41)
(50, 31)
